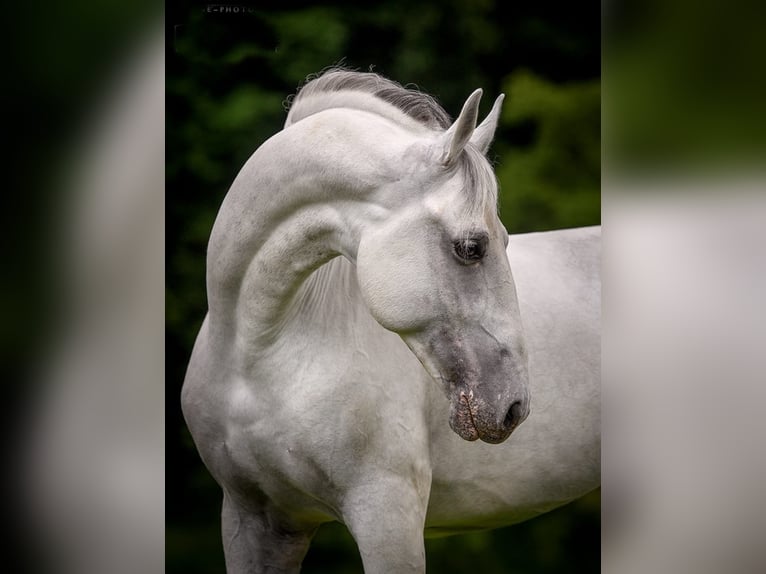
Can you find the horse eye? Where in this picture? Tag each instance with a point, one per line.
(471, 249)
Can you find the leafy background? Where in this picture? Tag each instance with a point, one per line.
(229, 72)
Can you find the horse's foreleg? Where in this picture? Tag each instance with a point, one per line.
(257, 542)
(386, 519)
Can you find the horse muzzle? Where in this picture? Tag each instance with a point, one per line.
(484, 377)
(472, 418)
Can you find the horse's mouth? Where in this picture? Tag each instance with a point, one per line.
(461, 419)
(468, 423)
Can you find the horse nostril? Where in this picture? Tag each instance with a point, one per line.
(513, 416)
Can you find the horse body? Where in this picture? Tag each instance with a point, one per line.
(310, 392)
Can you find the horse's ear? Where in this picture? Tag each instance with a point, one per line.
(459, 134)
(483, 135)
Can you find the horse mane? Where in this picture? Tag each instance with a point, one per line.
(413, 103)
(340, 87)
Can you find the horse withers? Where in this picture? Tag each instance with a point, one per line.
(357, 274)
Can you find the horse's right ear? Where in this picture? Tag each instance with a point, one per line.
(459, 134)
(483, 135)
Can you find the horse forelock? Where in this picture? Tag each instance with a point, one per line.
(479, 182)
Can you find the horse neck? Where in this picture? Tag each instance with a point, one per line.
(302, 199)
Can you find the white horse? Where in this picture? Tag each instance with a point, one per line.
(357, 274)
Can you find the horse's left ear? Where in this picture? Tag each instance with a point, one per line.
(459, 134)
(483, 135)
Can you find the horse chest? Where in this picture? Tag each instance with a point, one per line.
(289, 432)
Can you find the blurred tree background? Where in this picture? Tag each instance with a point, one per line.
(230, 68)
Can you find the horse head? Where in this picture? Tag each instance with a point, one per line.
(434, 270)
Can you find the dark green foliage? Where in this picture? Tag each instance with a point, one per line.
(553, 181)
(228, 77)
